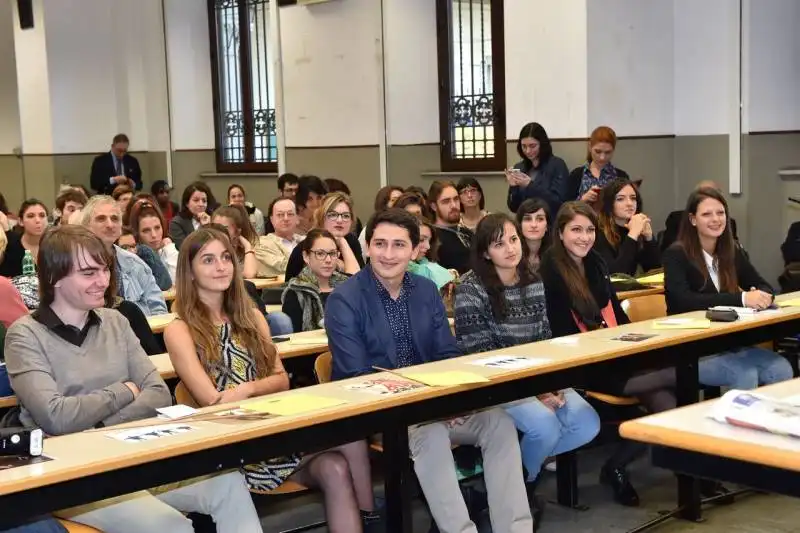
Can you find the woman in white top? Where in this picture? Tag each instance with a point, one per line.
(147, 225)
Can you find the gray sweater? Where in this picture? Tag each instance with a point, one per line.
(478, 331)
(63, 388)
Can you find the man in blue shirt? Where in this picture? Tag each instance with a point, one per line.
(369, 322)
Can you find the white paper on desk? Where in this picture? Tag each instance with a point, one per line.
(176, 411)
(509, 362)
(150, 433)
(569, 341)
(676, 321)
(794, 400)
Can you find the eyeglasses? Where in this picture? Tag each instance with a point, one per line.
(320, 255)
(470, 191)
(333, 215)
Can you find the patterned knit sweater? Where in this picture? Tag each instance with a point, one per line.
(478, 331)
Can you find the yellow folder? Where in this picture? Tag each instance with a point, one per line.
(292, 404)
(654, 279)
(794, 302)
(682, 323)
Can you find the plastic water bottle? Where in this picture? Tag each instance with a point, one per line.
(28, 267)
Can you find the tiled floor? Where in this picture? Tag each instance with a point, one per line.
(750, 514)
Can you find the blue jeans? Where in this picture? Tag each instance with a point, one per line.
(744, 369)
(546, 433)
(43, 525)
(279, 323)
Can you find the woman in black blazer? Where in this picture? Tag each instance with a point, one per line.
(540, 174)
(705, 268)
(625, 240)
(197, 204)
(580, 298)
(586, 182)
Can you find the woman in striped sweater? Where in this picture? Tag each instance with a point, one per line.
(501, 303)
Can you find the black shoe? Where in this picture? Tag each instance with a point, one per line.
(617, 479)
(715, 489)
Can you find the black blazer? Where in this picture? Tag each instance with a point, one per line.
(559, 309)
(791, 245)
(103, 169)
(11, 264)
(549, 182)
(629, 254)
(686, 290)
(179, 229)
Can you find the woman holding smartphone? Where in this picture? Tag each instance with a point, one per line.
(586, 182)
(196, 204)
(540, 174)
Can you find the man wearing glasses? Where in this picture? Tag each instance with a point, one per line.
(276, 247)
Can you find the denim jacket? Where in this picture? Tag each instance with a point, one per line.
(138, 284)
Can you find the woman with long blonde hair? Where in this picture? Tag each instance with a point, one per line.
(220, 347)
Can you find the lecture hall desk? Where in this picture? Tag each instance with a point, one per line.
(90, 466)
(686, 440)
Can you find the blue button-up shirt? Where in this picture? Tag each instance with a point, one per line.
(400, 321)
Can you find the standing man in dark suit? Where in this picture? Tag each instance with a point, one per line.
(117, 167)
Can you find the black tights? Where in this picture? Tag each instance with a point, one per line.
(656, 391)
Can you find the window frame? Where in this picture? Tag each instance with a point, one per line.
(246, 94)
(444, 41)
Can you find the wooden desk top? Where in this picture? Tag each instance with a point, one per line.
(158, 323)
(260, 283)
(305, 343)
(626, 295)
(689, 428)
(85, 454)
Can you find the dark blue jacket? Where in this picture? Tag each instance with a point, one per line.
(550, 185)
(359, 336)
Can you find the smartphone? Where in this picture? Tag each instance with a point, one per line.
(280, 339)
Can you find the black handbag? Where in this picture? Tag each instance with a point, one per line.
(722, 315)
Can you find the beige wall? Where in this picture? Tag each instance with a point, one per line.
(187, 165)
(11, 181)
(767, 212)
(358, 166)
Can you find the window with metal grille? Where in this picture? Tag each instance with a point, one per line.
(244, 96)
(471, 84)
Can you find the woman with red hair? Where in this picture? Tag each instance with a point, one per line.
(585, 182)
